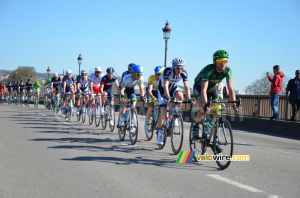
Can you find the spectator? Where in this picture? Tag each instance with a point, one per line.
(275, 90)
(294, 88)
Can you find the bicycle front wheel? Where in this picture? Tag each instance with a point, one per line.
(133, 127)
(197, 144)
(104, 119)
(83, 113)
(177, 133)
(121, 131)
(112, 120)
(223, 139)
(97, 116)
(149, 134)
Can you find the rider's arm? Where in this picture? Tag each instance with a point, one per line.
(187, 89)
(141, 86)
(150, 91)
(204, 86)
(91, 87)
(122, 91)
(101, 88)
(64, 86)
(231, 90)
(166, 87)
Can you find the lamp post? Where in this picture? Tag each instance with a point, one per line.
(79, 62)
(48, 71)
(166, 30)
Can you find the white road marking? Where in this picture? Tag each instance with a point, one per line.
(240, 185)
(272, 149)
(65, 122)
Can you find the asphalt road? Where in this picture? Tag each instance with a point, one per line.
(43, 155)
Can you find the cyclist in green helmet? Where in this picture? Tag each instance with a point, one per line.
(205, 87)
(37, 90)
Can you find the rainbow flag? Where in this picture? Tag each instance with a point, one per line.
(189, 157)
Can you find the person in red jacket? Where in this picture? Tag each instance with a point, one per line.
(275, 90)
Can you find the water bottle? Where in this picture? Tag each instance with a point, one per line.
(154, 116)
(208, 126)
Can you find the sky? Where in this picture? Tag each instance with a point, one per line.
(257, 34)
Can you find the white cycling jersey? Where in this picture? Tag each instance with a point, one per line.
(127, 81)
(96, 80)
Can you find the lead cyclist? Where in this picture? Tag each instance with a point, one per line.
(204, 88)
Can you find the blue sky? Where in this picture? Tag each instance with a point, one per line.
(258, 34)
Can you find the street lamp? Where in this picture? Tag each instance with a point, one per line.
(79, 61)
(166, 30)
(48, 71)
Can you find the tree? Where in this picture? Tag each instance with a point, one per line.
(262, 85)
(22, 73)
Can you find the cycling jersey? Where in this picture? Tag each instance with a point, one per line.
(107, 83)
(37, 87)
(152, 81)
(96, 80)
(210, 74)
(55, 83)
(29, 86)
(15, 87)
(69, 82)
(84, 84)
(2, 88)
(128, 82)
(22, 87)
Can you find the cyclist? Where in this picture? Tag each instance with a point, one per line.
(68, 87)
(125, 73)
(95, 80)
(82, 87)
(106, 87)
(54, 85)
(22, 91)
(29, 88)
(152, 93)
(168, 87)
(37, 90)
(47, 91)
(16, 89)
(2, 91)
(205, 87)
(129, 81)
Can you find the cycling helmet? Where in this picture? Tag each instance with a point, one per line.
(110, 70)
(178, 62)
(68, 71)
(21, 81)
(159, 70)
(98, 69)
(55, 75)
(220, 54)
(130, 65)
(28, 80)
(83, 71)
(36, 81)
(137, 69)
(48, 80)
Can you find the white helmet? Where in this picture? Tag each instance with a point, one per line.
(98, 69)
(68, 71)
(56, 75)
(178, 62)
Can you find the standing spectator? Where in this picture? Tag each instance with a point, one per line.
(275, 90)
(294, 88)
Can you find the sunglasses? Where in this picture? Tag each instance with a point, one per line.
(158, 74)
(98, 72)
(221, 61)
(110, 74)
(179, 68)
(83, 74)
(138, 74)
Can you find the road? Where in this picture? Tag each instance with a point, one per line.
(43, 155)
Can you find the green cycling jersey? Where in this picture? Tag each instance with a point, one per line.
(37, 86)
(210, 74)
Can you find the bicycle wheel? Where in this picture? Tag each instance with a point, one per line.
(97, 115)
(112, 121)
(133, 127)
(79, 115)
(121, 131)
(83, 113)
(69, 112)
(91, 117)
(223, 138)
(164, 138)
(152, 127)
(104, 119)
(196, 144)
(177, 133)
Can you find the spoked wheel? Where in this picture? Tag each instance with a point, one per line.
(224, 140)
(104, 119)
(91, 118)
(149, 135)
(164, 138)
(78, 116)
(177, 134)
(112, 120)
(121, 131)
(196, 144)
(83, 113)
(97, 116)
(133, 127)
(69, 112)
